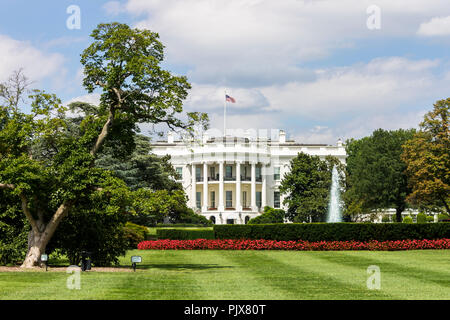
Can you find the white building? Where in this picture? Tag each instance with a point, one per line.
(231, 179)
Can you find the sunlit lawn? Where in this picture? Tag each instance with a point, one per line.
(198, 275)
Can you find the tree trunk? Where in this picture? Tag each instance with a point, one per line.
(36, 247)
(398, 214)
(39, 239)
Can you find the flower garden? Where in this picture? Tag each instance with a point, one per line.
(229, 244)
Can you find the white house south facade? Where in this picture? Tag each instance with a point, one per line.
(231, 179)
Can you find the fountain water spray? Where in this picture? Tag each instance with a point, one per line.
(334, 208)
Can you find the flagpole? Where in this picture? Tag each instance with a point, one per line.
(225, 114)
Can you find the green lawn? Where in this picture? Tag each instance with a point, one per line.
(197, 275)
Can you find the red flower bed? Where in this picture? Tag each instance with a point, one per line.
(203, 244)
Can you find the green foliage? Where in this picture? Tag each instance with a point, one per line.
(135, 234)
(385, 218)
(269, 215)
(141, 169)
(153, 206)
(181, 225)
(307, 187)
(48, 161)
(376, 173)
(96, 224)
(407, 219)
(443, 216)
(13, 230)
(429, 219)
(185, 234)
(421, 217)
(334, 231)
(428, 159)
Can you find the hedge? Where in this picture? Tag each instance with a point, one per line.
(185, 234)
(334, 231)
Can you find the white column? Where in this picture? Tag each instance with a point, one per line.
(264, 187)
(205, 187)
(194, 187)
(238, 186)
(221, 187)
(253, 188)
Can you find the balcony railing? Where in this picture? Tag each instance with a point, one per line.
(229, 178)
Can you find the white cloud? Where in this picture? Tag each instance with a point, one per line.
(37, 65)
(383, 84)
(438, 26)
(262, 42)
(113, 8)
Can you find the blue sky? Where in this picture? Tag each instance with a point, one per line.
(311, 67)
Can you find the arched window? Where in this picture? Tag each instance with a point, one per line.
(247, 218)
(212, 219)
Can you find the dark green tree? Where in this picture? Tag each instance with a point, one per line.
(376, 173)
(307, 187)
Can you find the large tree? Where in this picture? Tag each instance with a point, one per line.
(376, 177)
(427, 158)
(307, 187)
(124, 64)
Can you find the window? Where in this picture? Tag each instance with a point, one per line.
(212, 219)
(179, 173)
(198, 173)
(258, 173)
(229, 198)
(276, 199)
(213, 199)
(258, 199)
(228, 171)
(212, 172)
(244, 199)
(198, 196)
(276, 173)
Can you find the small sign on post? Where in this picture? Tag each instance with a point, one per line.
(134, 260)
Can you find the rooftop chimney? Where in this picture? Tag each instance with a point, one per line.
(282, 136)
(170, 137)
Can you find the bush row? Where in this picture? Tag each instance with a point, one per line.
(334, 231)
(203, 244)
(185, 234)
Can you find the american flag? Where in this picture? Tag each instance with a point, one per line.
(229, 98)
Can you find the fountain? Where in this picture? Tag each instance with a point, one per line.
(334, 208)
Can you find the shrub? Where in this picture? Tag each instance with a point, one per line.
(385, 218)
(135, 233)
(180, 225)
(430, 219)
(443, 216)
(421, 218)
(334, 231)
(270, 215)
(407, 219)
(185, 234)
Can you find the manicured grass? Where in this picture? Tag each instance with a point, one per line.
(229, 275)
